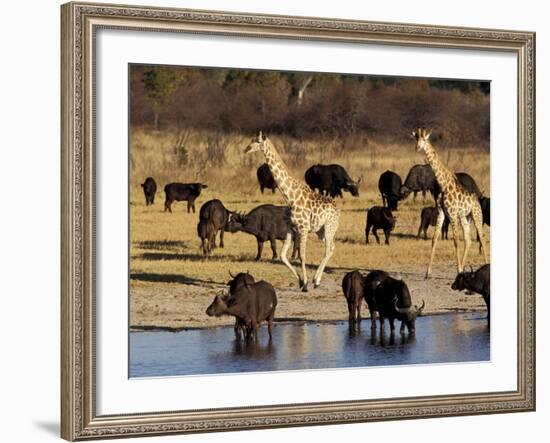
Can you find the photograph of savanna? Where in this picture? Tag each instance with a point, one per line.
(293, 220)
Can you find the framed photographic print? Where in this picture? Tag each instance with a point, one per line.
(254, 207)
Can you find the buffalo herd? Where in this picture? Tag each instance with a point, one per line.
(253, 302)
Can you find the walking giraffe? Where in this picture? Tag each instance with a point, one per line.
(455, 200)
(309, 212)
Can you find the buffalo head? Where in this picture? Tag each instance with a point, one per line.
(390, 218)
(218, 307)
(353, 186)
(408, 315)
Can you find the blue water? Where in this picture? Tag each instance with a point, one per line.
(438, 339)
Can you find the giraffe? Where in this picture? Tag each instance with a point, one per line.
(455, 201)
(309, 212)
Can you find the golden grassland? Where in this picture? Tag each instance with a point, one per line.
(166, 262)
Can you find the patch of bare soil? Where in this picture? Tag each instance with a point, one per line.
(180, 306)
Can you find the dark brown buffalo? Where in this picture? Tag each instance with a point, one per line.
(236, 282)
(428, 217)
(379, 218)
(182, 192)
(331, 180)
(265, 178)
(149, 189)
(357, 287)
(391, 190)
(476, 281)
(266, 223)
(370, 282)
(393, 301)
(250, 304)
(213, 217)
(353, 287)
(421, 178)
(485, 203)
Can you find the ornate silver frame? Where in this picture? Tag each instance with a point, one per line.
(79, 420)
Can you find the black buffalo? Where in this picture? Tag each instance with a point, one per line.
(428, 217)
(476, 281)
(393, 301)
(356, 287)
(485, 203)
(468, 183)
(331, 180)
(421, 178)
(213, 217)
(237, 282)
(180, 192)
(353, 287)
(149, 189)
(265, 178)
(391, 190)
(372, 280)
(250, 305)
(266, 223)
(379, 218)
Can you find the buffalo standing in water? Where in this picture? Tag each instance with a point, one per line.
(250, 305)
(393, 301)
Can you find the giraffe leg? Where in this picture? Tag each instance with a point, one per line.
(303, 243)
(437, 231)
(328, 238)
(478, 223)
(467, 240)
(284, 258)
(454, 227)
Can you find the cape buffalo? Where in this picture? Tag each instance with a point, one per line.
(389, 185)
(266, 223)
(485, 203)
(393, 301)
(371, 281)
(265, 178)
(379, 218)
(331, 180)
(250, 304)
(353, 288)
(149, 189)
(476, 281)
(236, 282)
(213, 217)
(428, 217)
(421, 178)
(180, 192)
(356, 287)
(469, 183)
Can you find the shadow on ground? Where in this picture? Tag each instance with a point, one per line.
(171, 278)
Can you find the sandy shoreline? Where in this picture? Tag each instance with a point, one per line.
(179, 306)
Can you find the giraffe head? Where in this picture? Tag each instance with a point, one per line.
(256, 144)
(421, 135)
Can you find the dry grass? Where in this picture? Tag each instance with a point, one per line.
(165, 248)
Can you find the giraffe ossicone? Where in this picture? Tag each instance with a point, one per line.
(454, 200)
(309, 212)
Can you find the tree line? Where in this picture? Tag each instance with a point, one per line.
(309, 105)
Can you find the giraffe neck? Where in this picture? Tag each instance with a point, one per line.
(278, 169)
(441, 172)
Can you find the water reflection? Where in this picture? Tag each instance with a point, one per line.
(441, 338)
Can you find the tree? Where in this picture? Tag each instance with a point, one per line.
(299, 82)
(160, 86)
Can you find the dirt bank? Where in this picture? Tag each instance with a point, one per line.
(179, 305)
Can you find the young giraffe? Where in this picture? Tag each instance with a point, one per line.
(454, 200)
(309, 211)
